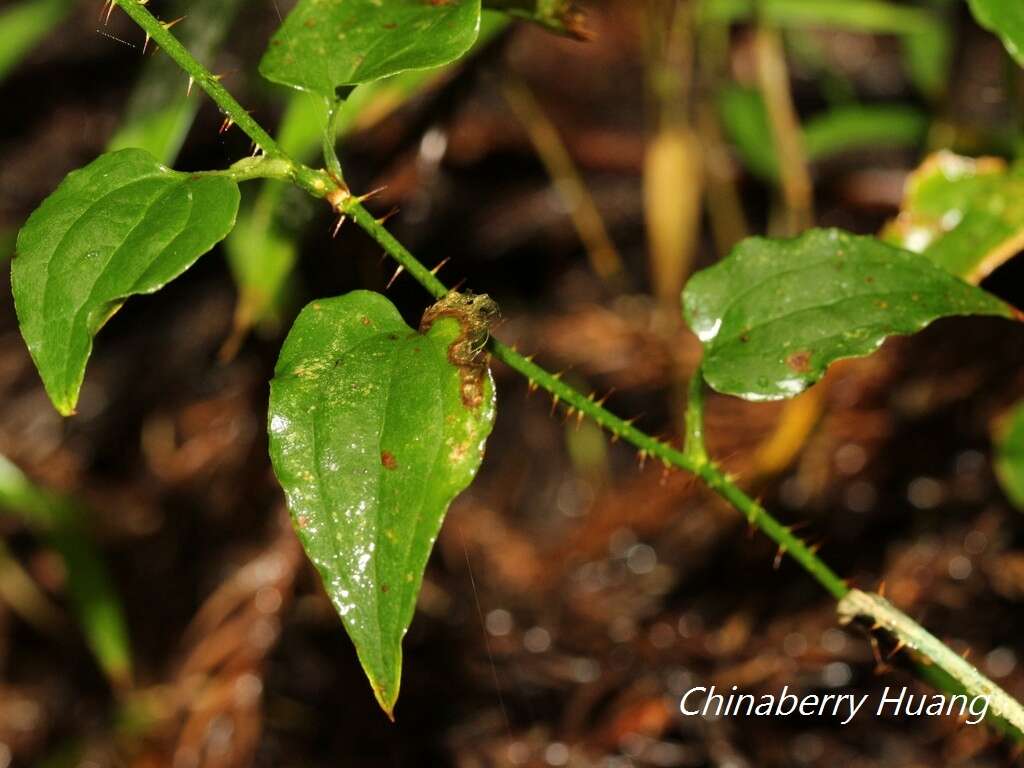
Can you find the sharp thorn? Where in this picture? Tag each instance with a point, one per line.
(781, 553)
(387, 216)
(458, 286)
(900, 645)
(440, 265)
(110, 9)
(881, 588)
(341, 220)
(879, 664)
(394, 277)
(191, 80)
(169, 24)
(371, 193)
(145, 44)
(226, 125)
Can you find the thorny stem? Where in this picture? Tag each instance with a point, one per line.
(250, 168)
(198, 74)
(694, 459)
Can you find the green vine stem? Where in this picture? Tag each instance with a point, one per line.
(705, 469)
(694, 448)
(319, 183)
(160, 34)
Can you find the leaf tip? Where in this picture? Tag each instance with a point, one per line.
(387, 698)
(66, 407)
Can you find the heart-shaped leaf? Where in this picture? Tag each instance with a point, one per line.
(965, 214)
(775, 314)
(325, 44)
(374, 429)
(120, 226)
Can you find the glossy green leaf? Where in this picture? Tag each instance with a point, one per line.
(325, 44)
(1005, 18)
(373, 431)
(1009, 463)
(90, 589)
(965, 214)
(775, 314)
(120, 226)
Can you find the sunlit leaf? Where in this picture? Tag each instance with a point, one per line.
(374, 429)
(775, 314)
(120, 226)
(966, 215)
(1009, 463)
(325, 44)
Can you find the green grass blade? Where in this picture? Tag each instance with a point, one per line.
(26, 23)
(60, 521)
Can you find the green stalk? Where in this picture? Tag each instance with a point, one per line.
(694, 448)
(318, 183)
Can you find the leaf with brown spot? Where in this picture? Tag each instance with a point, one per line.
(371, 440)
(775, 314)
